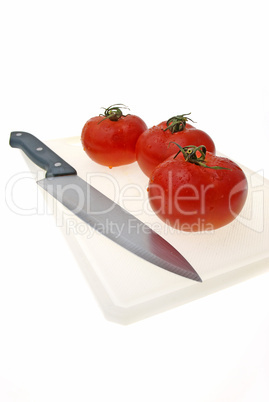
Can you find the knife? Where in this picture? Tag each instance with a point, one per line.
(98, 211)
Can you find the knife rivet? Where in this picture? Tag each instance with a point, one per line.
(57, 164)
(18, 134)
(39, 149)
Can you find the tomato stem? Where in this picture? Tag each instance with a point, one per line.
(177, 123)
(113, 112)
(190, 155)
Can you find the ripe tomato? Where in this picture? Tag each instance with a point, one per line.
(153, 145)
(194, 192)
(110, 139)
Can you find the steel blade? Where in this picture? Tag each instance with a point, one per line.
(110, 219)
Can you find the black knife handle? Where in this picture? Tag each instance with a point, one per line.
(40, 154)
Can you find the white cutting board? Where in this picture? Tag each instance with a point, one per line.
(128, 288)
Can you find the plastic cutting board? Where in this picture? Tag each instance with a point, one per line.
(128, 288)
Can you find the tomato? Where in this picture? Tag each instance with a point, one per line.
(110, 139)
(153, 145)
(197, 191)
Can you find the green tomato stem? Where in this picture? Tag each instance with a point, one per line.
(177, 123)
(190, 155)
(113, 112)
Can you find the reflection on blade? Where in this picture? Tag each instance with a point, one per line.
(116, 223)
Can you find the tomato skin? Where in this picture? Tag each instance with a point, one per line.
(153, 146)
(193, 198)
(112, 143)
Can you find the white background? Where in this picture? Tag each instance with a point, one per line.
(61, 61)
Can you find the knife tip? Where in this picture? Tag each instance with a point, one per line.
(198, 278)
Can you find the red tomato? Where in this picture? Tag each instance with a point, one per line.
(153, 145)
(110, 139)
(191, 192)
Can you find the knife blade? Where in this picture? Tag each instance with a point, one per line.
(98, 211)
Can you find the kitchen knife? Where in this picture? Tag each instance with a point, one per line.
(98, 211)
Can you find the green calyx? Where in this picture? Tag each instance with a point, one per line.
(177, 123)
(190, 155)
(113, 112)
